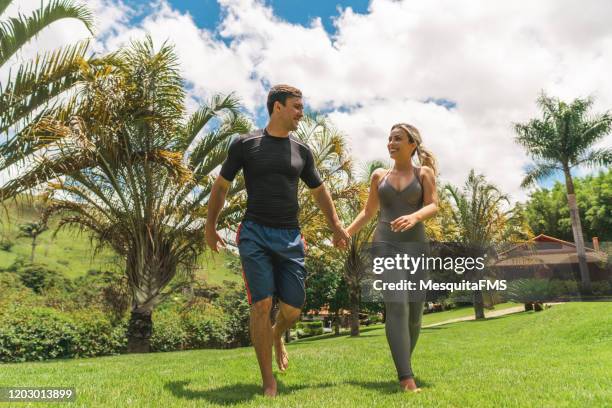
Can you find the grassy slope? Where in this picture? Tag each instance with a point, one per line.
(558, 357)
(70, 252)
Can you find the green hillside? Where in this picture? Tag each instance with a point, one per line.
(558, 357)
(71, 252)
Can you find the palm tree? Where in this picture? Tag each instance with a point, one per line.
(329, 149)
(562, 140)
(355, 257)
(133, 170)
(355, 266)
(480, 221)
(31, 90)
(32, 230)
(328, 146)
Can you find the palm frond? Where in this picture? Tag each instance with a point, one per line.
(19, 30)
(3, 5)
(233, 124)
(537, 172)
(370, 167)
(199, 119)
(37, 83)
(596, 157)
(45, 170)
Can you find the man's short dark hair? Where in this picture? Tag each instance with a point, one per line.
(280, 93)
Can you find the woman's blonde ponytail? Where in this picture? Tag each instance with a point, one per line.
(426, 157)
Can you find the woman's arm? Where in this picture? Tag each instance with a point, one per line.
(430, 204)
(371, 207)
(430, 195)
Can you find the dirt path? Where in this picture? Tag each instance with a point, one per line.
(488, 313)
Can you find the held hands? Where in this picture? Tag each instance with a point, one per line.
(214, 240)
(341, 237)
(404, 223)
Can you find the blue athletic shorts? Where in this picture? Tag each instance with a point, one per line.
(272, 262)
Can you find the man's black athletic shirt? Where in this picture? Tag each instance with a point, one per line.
(272, 166)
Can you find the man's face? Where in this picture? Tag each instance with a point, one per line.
(291, 113)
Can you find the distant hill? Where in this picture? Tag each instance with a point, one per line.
(71, 252)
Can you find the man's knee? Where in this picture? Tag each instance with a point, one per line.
(290, 313)
(262, 307)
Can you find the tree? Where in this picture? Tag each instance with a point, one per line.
(133, 170)
(480, 221)
(32, 230)
(30, 92)
(548, 213)
(356, 256)
(355, 269)
(328, 146)
(561, 140)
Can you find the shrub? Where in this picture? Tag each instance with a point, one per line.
(107, 290)
(168, 332)
(601, 288)
(39, 278)
(237, 311)
(307, 329)
(14, 295)
(96, 336)
(31, 331)
(204, 324)
(375, 319)
(540, 290)
(35, 334)
(204, 332)
(461, 297)
(10, 281)
(6, 244)
(447, 303)
(39, 333)
(529, 290)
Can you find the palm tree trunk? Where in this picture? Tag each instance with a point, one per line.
(577, 232)
(337, 323)
(478, 305)
(354, 302)
(33, 250)
(140, 329)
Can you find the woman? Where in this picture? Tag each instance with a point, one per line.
(406, 195)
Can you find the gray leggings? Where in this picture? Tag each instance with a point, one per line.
(403, 325)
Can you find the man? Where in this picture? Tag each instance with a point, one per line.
(269, 239)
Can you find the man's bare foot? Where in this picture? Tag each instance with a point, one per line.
(269, 388)
(408, 385)
(280, 352)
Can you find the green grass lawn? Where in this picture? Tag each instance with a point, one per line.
(559, 357)
(463, 311)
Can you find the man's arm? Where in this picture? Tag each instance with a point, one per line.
(324, 202)
(215, 204)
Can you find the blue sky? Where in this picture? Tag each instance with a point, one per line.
(207, 13)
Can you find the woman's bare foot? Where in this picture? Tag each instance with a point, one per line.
(269, 388)
(282, 358)
(408, 385)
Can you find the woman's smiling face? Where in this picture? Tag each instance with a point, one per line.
(399, 144)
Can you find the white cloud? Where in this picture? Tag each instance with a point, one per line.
(108, 14)
(491, 58)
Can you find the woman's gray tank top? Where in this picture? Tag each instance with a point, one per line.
(394, 204)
